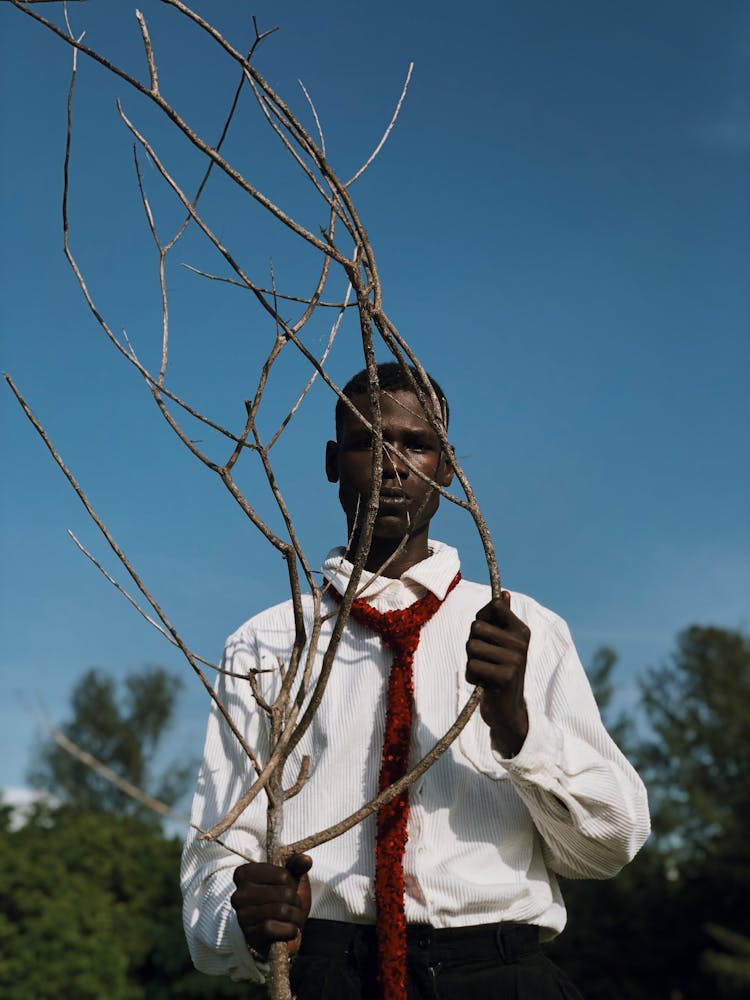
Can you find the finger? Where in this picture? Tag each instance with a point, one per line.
(272, 910)
(261, 901)
(511, 653)
(515, 638)
(276, 930)
(497, 612)
(501, 612)
(298, 865)
(258, 920)
(492, 677)
(263, 934)
(260, 873)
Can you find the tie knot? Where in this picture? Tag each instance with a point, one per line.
(399, 629)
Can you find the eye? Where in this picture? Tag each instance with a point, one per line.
(360, 442)
(418, 444)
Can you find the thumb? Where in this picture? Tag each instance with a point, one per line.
(298, 865)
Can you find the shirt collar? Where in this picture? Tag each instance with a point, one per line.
(434, 573)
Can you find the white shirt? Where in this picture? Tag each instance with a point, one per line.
(486, 834)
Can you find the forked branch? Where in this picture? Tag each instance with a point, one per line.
(346, 257)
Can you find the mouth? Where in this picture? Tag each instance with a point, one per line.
(394, 499)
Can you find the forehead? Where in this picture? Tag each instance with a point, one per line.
(398, 408)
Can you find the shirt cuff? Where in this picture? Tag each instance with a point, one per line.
(539, 754)
(244, 966)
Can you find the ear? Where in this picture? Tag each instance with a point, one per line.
(332, 462)
(445, 472)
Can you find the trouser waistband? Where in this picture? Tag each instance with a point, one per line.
(505, 941)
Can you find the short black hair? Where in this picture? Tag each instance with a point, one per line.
(391, 378)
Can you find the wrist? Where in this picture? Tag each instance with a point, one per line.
(259, 957)
(507, 737)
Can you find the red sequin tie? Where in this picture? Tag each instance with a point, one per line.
(400, 631)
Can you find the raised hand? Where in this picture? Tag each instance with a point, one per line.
(496, 659)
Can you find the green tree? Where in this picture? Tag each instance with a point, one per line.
(697, 758)
(90, 910)
(608, 947)
(675, 923)
(601, 677)
(123, 730)
(696, 762)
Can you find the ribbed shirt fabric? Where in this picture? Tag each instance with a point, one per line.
(486, 834)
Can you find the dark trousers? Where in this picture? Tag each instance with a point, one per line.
(337, 961)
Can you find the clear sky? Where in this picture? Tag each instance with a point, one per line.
(562, 227)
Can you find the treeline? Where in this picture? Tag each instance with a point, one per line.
(675, 924)
(90, 906)
(90, 910)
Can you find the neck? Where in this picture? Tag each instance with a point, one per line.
(385, 558)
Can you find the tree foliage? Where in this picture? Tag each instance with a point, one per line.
(123, 729)
(601, 677)
(697, 758)
(90, 910)
(675, 923)
(95, 892)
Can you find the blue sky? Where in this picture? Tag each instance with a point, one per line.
(561, 223)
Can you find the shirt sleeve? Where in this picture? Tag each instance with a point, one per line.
(215, 940)
(585, 799)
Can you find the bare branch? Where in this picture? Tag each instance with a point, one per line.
(129, 354)
(155, 805)
(313, 377)
(304, 672)
(267, 291)
(390, 793)
(129, 789)
(149, 53)
(187, 131)
(130, 569)
(144, 614)
(387, 131)
(299, 784)
(315, 116)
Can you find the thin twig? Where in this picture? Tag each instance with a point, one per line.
(155, 805)
(314, 376)
(267, 291)
(130, 569)
(187, 131)
(387, 131)
(309, 100)
(149, 53)
(129, 789)
(144, 614)
(128, 354)
(390, 793)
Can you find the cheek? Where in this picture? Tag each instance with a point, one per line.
(358, 469)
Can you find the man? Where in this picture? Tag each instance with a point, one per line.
(459, 875)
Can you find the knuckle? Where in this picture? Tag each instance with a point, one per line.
(288, 894)
(287, 913)
(268, 929)
(240, 875)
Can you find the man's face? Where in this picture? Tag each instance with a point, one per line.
(348, 462)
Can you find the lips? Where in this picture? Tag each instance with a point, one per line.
(393, 498)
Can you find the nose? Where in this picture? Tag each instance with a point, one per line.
(394, 466)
